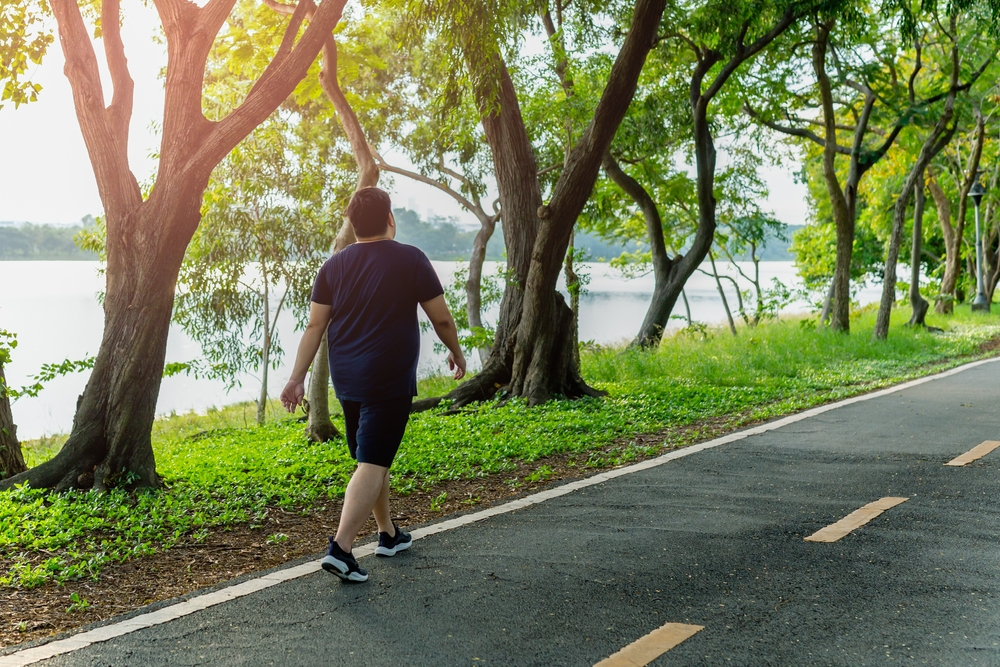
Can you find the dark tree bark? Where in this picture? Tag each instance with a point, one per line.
(532, 355)
(918, 304)
(110, 440)
(658, 313)
(11, 460)
(702, 91)
(934, 144)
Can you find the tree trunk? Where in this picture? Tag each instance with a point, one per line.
(533, 354)
(146, 239)
(320, 428)
(824, 315)
(110, 441)
(658, 314)
(11, 460)
(954, 236)
(722, 294)
(265, 350)
(840, 314)
(837, 306)
(945, 302)
(939, 137)
(918, 304)
(473, 286)
(573, 288)
(687, 307)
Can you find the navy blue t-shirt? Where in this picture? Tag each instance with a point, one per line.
(374, 339)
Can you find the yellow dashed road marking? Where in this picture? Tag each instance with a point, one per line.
(656, 643)
(977, 452)
(854, 520)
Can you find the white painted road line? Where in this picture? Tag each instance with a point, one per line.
(43, 652)
(854, 520)
(974, 454)
(652, 646)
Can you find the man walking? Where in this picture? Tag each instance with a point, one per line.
(366, 299)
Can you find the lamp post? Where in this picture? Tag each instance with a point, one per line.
(980, 302)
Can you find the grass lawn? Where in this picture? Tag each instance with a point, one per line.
(222, 470)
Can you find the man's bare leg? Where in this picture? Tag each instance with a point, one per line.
(382, 516)
(363, 492)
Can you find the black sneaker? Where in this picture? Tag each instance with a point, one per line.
(342, 564)
(390, 546)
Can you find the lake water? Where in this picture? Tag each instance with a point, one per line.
(52, 307)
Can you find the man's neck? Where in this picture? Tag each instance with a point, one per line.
(374, 239)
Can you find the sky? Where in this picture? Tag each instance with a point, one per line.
(46, 176)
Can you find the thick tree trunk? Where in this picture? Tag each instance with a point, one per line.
(11, 460)
(533, 353)
(840, 314)
(110, 441)
(918, 304)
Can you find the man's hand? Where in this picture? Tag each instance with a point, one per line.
(292, 394)
(444, 326)
(456, 362)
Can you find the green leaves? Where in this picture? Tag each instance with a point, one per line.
(264, 233)
(24, 39)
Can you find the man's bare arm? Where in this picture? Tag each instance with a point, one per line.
(295, 390)
(444, 325)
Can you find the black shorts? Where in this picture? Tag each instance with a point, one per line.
(375, 428)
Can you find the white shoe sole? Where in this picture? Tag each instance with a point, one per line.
(386, 551)
(339, 568)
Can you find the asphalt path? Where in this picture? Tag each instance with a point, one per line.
(715, 539)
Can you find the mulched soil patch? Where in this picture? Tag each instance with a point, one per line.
(27, 615)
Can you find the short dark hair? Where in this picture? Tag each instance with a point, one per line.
(369, 212)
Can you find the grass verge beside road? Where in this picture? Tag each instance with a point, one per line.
(223, 473)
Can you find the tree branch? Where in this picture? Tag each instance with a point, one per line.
(745, 53)
(115, 182)
(416, 176)
(279, 79)
(793, 131)
(120, 110)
